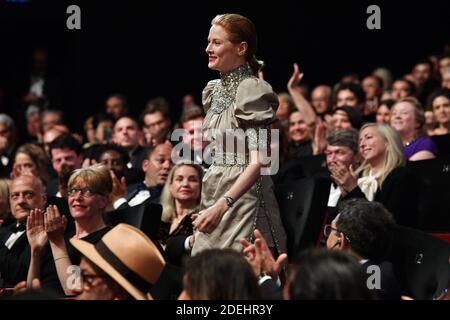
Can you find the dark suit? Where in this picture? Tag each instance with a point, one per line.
(134, 189)
(389, 286)
(5, 171)
(398, 194)
(14, 262)
(137, 156)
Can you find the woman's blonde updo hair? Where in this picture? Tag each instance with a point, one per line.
(240, 29)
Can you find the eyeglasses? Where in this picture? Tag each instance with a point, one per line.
(328, 229)
(84, 192)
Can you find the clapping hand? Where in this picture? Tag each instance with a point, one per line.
(344, 177)
(55, 224)
(260, 257)
(37, 237)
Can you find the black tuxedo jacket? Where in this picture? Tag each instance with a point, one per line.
(389, 286)
(14, 262)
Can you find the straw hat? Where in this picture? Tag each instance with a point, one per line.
(128, 256)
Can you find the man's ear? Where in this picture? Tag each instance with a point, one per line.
(145, 164)
(243, 46)
(343, 241)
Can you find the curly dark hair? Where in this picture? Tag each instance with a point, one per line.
(321, 274)
(367, 225)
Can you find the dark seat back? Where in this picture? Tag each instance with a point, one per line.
(434, 194)
(302, 168)
(303, 205)
(421, 262)
(443, 144)
(146, 217)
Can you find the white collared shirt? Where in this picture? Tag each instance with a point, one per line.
(335, 194)
(13, 238)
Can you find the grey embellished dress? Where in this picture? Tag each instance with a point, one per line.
(239, 100)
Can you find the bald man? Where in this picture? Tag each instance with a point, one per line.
(26, 193)
(321, 99)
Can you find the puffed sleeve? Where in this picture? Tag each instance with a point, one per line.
(255, 103)
(255, 110)
(207, 94)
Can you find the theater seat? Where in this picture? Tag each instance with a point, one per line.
(443, 144)
(302, 168)
(303, 205)
(434, 194)
(146, 217)
(421, 262)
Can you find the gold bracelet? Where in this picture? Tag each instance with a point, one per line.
(61, 258)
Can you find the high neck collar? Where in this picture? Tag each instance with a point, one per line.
(236, 74)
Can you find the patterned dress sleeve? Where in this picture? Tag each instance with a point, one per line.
(207, 94)
(255, 108)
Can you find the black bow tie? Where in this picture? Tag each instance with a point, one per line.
(18, 227)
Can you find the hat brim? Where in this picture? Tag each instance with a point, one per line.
(89, 251)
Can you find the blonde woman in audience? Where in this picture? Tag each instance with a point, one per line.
(382, 176)
(89, 192)
(180, 197)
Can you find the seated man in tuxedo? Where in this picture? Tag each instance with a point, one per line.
(362, 228)
(127, 134)
(156, 166)
(26, 193)
(342, 150)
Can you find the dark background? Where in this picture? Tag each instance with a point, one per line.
(155, 48)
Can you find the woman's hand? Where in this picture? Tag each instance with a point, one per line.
(295, 79)
(208, 220)
(37, 237)
(55, 224)
(344, 177)
(320, 138)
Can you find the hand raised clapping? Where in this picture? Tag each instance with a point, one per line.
(55, 224)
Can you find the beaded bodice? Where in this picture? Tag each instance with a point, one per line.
(224, 92)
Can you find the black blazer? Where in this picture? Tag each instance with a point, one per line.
(14, 262)
(389, 286)
(398, 194)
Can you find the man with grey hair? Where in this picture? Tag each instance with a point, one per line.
(342, 151)
(8, 144)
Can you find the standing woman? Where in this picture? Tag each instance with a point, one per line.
(236, 198)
